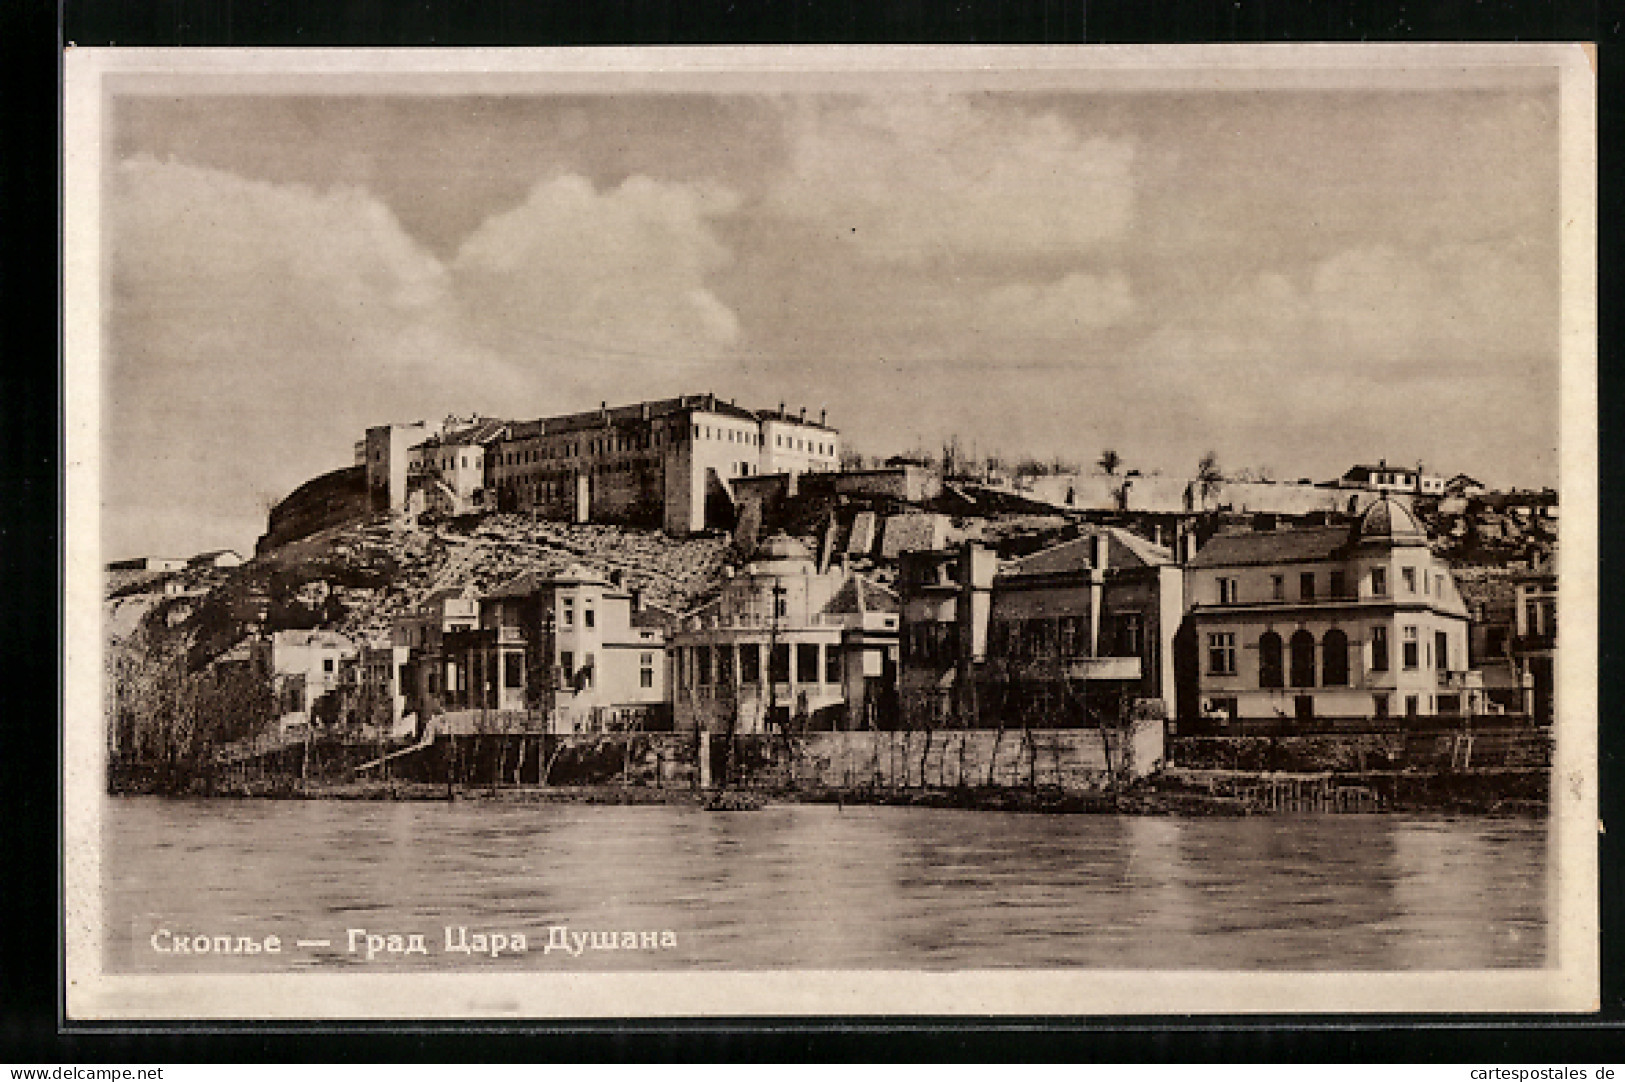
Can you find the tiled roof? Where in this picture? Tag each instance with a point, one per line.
(1272, 547)
(1123, 549)
(876, 598)
(653, 616)
(521, 585)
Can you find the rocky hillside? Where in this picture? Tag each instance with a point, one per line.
(357, 578)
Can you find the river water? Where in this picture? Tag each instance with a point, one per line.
(817, 886)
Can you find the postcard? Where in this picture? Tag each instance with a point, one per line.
(675, 533)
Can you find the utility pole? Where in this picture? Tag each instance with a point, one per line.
(778, 592)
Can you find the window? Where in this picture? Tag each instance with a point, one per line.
(750, 663)
(1278, 587)
(781, 605)
(1072, 644)
(1270, 674)
(1379, 649)
(1379, 581)
(702, 665)
(587, 615)
(807, 662)
(1306, 586)
(725, 665)
(1441, 651)
(1227, 591)
(778, 663)
(1302, 651)
(1130, 635)
(1379, 704)
(1334, 659)
(1450, 704)
(1221, 653)
(569, 612)
(1409, 575)
(1413, 705)
(512, 671)
(567, 662)
(1413, 649)
(327, 664)
(1339, 586)
(1303, 707)
(832, 665)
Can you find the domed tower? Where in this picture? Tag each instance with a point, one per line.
(781, 554)
(1388, 523)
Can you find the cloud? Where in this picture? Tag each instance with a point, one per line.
(1373, 350)
(1063, 308)
(254, 329)
(619, 273)
(909, 177)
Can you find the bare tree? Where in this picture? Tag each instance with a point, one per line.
(1208, 475)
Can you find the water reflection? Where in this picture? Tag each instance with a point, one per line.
(817, 886)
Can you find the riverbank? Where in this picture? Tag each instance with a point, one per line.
(1172, 792)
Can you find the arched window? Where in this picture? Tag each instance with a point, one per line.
(1269, 661)
(1303, 659)
(1334, 663)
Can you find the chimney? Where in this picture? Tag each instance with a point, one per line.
(616, 577)
(821, 415)
(803, 414)
(781, 409)
(637, 599)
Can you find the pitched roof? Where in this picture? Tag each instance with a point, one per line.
(875, 598)
(654, 616)
(1123, 549)
(1244, 548)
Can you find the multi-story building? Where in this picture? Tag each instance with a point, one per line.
(372, 681)
(303, 666)
(565, 653)
(446, 473)
(1534, 645)
(787, 647)
(1353, 621)
(1401, 479)
(386, 453)
(668, 462)
(430, 673)
(1073, 635)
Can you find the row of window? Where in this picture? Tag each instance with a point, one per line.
(1303, 706)
(703, 666)
(1229, 592)
(1066, 636)
(1334, 651)
(791, 443)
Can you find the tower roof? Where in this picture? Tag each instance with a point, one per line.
(1389, 521)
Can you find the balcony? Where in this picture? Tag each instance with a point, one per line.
(1102, 668)
(1461, 679)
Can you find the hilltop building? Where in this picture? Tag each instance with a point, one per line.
(787, 647)
(667, 462)
(1335, 621)
(1385, 478)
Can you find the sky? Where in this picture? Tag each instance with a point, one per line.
(1295, 280)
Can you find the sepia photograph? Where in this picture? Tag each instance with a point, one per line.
(829, 531)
